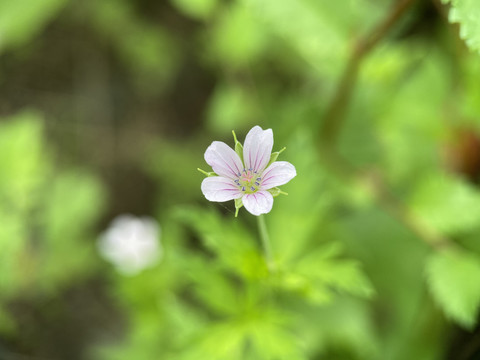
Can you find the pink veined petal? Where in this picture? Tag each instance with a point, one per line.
(218, 188)
(258, 203)
(257, 148)
(278, 173)
(223, 160)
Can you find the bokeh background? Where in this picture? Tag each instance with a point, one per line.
(106, 109)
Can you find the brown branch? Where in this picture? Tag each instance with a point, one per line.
(335, 113)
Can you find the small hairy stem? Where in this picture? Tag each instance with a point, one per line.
(262, 229)
(334, 114)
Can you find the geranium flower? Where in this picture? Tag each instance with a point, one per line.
(131, 244)
(250, 173)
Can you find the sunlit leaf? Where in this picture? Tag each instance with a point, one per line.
(453, 280)
(467, 13)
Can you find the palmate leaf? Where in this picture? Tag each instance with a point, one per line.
(453, 281)
(467, 13)
(321, 273)
(234, 246)
(254, 336)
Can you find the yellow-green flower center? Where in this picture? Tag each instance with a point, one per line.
(248, 181)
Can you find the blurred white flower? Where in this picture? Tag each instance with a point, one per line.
(131, 244)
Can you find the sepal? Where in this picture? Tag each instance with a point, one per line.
(274, 156)
(238, 146)
(209, 174)
(276, 191)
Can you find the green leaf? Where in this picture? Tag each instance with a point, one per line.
(324, 271)
(446, 203)
(234, 245)
(74, 201)
(453, 281)
(20, 20)
(213, 288)
(200, 9)
(467, 13)
(237, 23)
(23, 165)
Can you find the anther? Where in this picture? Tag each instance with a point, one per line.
(253, 189)
(257, 183)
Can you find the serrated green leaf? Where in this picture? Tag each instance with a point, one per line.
(234, 245)
(343, 275)
(467, 13)
(453, 281)
(213, 288)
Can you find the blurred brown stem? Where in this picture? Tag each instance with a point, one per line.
(335, 112)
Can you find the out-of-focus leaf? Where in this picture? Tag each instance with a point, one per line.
(21, 20)
(7, 324)
(446, 203)
(147, 50)
(200, 9)
(74, 201)
(239, 24)
(256, 335)
(295, 219)
(453, 281)
(411, 135)
(213, 288)
(467, 13)
(231, 108)
(319, 31)
(182, 183)
(320, 273)
(346, 324)
(228, 239)
(23, 164)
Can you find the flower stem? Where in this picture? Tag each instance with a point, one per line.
(262, 228)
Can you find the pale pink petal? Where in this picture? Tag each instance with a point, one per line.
(258, 203)
(278, 173)
(257, 149)
(218, 188)
(223, 160)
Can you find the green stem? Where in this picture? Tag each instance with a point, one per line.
(262, 228)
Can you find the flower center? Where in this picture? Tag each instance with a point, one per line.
(248, 181)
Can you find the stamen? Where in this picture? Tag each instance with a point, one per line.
(258, 179)
(257, 183)
(253, 189)
(243, 188)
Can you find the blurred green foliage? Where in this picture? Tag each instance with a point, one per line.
(376, 246)
(47, 215)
